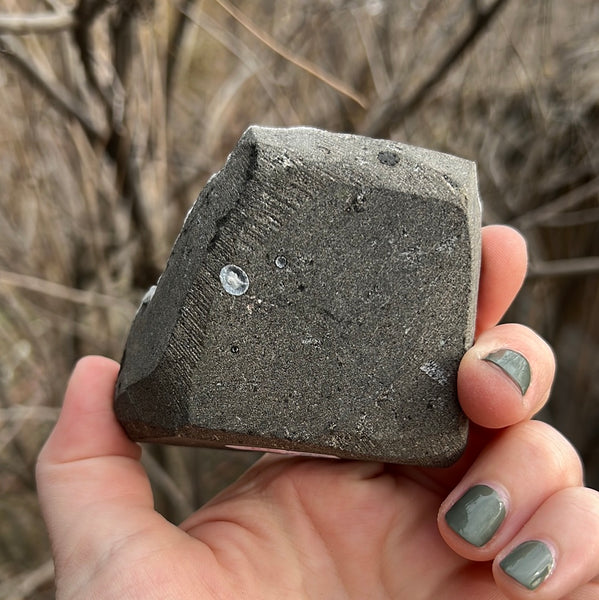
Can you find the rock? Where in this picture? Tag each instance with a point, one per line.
(318, 300)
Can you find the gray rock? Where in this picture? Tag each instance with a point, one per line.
(318, 300)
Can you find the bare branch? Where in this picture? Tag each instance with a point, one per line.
(85, 13)
(22, 586)
(392, 109)
(252, 66)
(161, 479)
(572, 219)
(570, 267)
(29, 413)
(23, 24)
(548, 211)
(63, 292)
(54, 91)
(174, 46)
(123, 153)
(304, 64)
(372, 48)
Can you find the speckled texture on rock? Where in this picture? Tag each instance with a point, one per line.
(362, 258)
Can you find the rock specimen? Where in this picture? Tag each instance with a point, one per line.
(318, 300)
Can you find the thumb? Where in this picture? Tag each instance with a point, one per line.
(92, 488)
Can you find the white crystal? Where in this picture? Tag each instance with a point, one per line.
(148, 295)
(435, 372)
(234, 280)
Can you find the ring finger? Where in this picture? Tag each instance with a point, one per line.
(557, 550)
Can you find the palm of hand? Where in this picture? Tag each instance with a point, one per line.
(297, 528)
(314, 528)
(320, 529)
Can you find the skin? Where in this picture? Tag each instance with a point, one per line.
(316, 528)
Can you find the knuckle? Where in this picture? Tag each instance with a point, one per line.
(551, 451)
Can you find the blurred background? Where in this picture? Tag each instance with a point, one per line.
(115, 112)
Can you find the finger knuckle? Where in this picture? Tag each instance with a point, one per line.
(551, 451)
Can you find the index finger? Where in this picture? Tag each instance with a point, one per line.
(503, 268)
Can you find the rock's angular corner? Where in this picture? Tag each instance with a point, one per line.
(318, 299)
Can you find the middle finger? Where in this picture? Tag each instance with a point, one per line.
(515, 473)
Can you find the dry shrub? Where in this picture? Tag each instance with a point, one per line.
(94, 193)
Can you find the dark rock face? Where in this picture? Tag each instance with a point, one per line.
(318, 299)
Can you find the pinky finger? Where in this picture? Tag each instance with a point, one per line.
(556, 554)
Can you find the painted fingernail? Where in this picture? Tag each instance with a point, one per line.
(477, 515)
(514, 365)
(529, 564)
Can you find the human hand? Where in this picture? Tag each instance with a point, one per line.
(317, 528)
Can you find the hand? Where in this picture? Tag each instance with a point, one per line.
(313, 528)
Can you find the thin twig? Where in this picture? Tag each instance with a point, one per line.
(63, 292)
(570, 267)
(29, 413)
(123, 152)
(85, 13)
(572, 219)
(303, 63)
(392, 109)
(253, 66)
(62, 100)
(164, 482)
(373, 51)
(565, 202)
(174, 47)
(23, 24)
(22, 586)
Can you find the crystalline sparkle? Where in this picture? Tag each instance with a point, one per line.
(234, 280)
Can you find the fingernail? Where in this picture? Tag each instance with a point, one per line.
(529, 564)
(477, 515)
(514, 365)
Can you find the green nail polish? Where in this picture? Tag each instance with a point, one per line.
(529, 564)
(514, 365)
(477, 515)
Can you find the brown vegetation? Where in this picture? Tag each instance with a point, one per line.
(115, 113)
